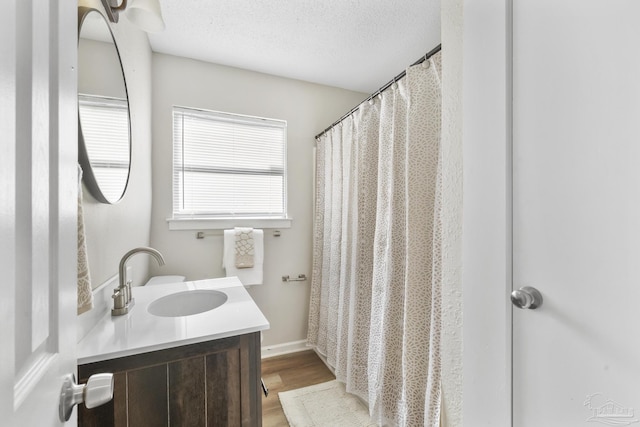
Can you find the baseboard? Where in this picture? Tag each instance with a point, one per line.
(324, 360)
(285, 348)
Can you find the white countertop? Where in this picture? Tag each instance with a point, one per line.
(141, 332)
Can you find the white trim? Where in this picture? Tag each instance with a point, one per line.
(226, 223)
(31, 379)
(486, 237)
(324, 360)
(284, 348)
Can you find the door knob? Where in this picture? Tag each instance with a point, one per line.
(97, 391)
(526, 297)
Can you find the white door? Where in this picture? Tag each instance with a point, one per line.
(38, 208)
(576, 212)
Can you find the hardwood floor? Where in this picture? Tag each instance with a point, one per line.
(289, 372)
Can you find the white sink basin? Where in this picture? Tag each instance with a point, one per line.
(187, 303)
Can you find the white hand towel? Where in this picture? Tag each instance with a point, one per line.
(248, 276)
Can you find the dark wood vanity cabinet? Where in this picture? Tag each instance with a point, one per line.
(214, 384)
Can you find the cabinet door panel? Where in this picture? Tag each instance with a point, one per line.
(223, 388)
(118, 407)
(187, 392)
(147, 403)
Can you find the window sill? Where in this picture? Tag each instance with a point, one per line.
(226, 223)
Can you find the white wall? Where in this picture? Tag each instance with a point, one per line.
(308, 108)
(112, 230)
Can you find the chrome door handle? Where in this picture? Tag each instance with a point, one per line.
(526, 297)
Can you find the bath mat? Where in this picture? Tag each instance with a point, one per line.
(324, 405)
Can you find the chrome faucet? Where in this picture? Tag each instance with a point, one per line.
(122, 298)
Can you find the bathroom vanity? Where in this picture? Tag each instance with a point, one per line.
(171, 370)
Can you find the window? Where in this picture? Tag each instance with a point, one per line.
(228, 166)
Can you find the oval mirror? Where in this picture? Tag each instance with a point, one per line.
(104, 132)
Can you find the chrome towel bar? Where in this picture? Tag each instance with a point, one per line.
(203, 234)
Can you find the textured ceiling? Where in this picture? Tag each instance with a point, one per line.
(352, 44)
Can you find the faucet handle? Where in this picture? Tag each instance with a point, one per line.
(119, 299)
(129, 294)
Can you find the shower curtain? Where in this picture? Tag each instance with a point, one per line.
(376, 284)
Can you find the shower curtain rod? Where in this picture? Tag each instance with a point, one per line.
(382, 89)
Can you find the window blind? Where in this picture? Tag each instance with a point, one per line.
(228, 165)
(105, 132)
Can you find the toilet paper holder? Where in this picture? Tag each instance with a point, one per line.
(300, 278)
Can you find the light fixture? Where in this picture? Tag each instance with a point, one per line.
(113, 9)
(145, 14)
